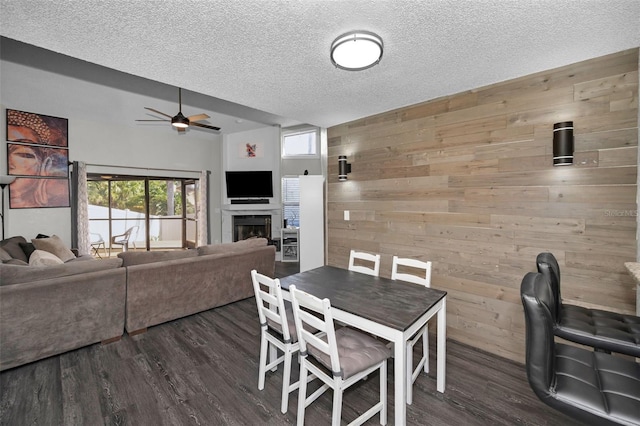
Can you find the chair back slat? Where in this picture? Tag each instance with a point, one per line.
(374, 259)
(270, 303)
(322, 321)
(425, 271)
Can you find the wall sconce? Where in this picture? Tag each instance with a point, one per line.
(344, 168)
(563, 143)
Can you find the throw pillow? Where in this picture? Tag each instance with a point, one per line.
(44, 258)
(55, 246)
(27, 248)
(12, 246)
(4, 256)
(42, 236)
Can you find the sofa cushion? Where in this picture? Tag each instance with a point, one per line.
(54, 245)
(44, 258)
(12, 246)
(141, 257)
(13, 274)
(232, 247)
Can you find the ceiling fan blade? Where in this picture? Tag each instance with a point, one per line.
(198, 117)
(158, 112)
(206, 126)
(154, 120)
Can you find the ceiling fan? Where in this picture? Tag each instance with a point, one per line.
(179, 121)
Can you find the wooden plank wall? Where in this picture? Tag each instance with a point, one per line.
(467, 182)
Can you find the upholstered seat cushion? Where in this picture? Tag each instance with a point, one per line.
(291, 324)
(606, 386)
(607, 330)
(357, 351)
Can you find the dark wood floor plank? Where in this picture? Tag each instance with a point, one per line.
(32, 394)
(203, 370)
(80, 389)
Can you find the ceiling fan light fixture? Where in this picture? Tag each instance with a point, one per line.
(356, 50)
(180, 121)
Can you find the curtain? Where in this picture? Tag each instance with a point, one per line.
(203, 210)
(80, 209)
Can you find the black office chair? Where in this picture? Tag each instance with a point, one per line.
(603, 330)
(593, 387)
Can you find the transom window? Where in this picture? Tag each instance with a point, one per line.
(300, 143)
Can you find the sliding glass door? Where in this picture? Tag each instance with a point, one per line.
(148, 213)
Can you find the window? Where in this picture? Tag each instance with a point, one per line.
(300, 143)
(291, 200)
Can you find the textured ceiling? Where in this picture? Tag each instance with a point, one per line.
(273, 56)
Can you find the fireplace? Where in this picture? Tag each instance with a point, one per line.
(249, 226)
(229, 212)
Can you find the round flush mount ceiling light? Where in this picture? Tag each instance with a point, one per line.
(356, 50)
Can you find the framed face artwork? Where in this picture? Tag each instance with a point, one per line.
(38, 156)
(30, 193)
(27, 127)
(33, 160)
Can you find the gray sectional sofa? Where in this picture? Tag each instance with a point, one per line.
(48, 310)
(163, 286)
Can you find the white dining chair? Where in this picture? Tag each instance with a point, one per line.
(413, 266)
(373, 259)
(339, 358)
(277, 329)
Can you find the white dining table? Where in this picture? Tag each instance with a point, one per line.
(392, 310)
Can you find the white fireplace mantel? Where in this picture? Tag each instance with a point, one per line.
(230, 210)
(263, 207)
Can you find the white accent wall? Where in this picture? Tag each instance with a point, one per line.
(267, 141)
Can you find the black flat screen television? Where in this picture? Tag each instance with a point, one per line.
(250, 184)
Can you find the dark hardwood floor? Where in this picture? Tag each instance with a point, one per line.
(203, 370)
(284, 269)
